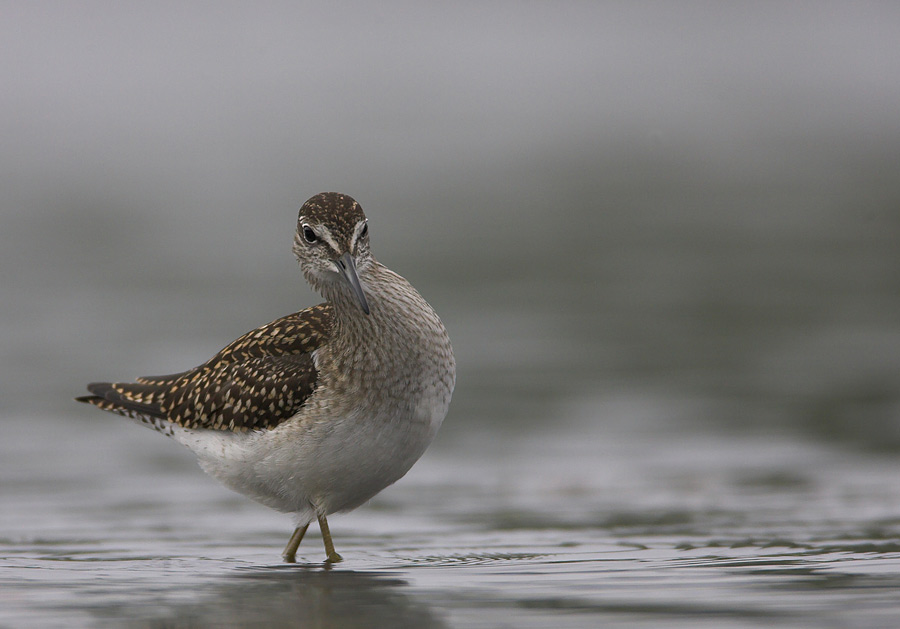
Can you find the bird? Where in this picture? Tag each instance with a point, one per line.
(318, 411)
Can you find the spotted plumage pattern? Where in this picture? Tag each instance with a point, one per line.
(255, 383)
(339, 211)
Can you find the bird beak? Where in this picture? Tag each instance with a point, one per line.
(347, 268)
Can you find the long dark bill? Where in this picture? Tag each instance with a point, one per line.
(347, 268)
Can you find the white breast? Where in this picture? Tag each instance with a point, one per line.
(377, 407)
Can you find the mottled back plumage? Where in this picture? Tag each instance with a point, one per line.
(256, 382)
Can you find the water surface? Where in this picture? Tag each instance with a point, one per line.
(106, 524)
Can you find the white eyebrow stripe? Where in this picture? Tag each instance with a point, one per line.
(321, 231)
(356, 232)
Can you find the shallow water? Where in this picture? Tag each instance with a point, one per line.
(107, 524)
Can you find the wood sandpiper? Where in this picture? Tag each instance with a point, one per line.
(315, 412)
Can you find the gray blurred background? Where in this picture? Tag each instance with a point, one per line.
(693, 206)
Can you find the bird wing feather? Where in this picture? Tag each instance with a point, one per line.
(256, 382)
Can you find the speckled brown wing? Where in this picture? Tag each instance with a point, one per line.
(256, 382)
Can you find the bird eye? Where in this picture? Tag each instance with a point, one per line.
(309, 235)
(365, 230)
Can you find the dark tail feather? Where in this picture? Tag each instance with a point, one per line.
(130, 400)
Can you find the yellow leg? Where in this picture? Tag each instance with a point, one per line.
(333, 557)
(290, 551)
